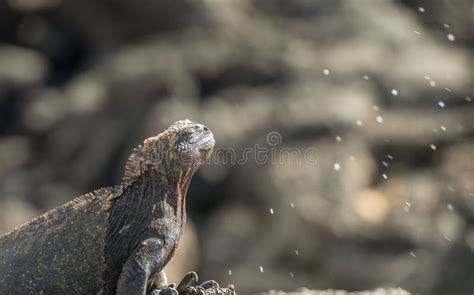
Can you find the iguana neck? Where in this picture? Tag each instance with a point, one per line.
(177, 182)
(158, 193)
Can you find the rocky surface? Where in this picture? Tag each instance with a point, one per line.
(305, 291)
(374, 96)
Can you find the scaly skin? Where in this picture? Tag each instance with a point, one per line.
(114, 240)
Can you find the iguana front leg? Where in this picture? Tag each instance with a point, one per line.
(136, 271)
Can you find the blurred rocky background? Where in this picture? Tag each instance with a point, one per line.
(382, 90)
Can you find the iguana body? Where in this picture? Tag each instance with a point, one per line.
(114, 240)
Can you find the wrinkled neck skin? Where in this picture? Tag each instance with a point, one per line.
(160, 191)
(177, 180)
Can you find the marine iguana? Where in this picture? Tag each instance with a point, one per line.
(114, 240)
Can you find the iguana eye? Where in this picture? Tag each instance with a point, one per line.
(189, 133)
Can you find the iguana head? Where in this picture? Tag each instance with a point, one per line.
(185, 143)
(184, 146)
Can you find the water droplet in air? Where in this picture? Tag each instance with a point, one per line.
(338, 138)
(433, 147)
(379, 119)
(441, 104)
(366, 77)
(451, 37)
(384, 176)
(394, 92)
(296, 252)
(292, 275)
(271, 211)
(230, 272)
(326, 72)
(359, 123)
(433, 83)
(337, 166)
(261, 268)
(443, 128)
(450, 207)
(412, 254)
(421, 9)
(375, 108)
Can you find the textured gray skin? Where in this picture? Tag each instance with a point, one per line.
(115, 240)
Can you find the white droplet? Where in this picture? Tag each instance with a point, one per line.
(359, 123)
(446, 26)
(352, 158)
(390, 157)
(427, 77)
(261, 268)
(271, 211)
(433, 147)
(450, 207)
(379, 119)
(421, 9)
(338, 138)
(292, 205)
(384, 176)
(230, 272)
(375, 108)
(326, 72)
(366, 77)
(441, 104)
(448, 89)
(385, 163)
(337, 166)
(296, 252)
(394, 92)
(443, 128)
(433, 83)
(292, 275)
(451, 37)
(408, 204)
(416, 32)
(468, 98)
(412, 254)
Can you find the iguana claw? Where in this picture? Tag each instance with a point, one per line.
(189, 280)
